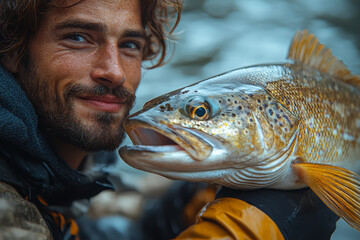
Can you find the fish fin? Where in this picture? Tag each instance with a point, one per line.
(337, 187)
(307, 49)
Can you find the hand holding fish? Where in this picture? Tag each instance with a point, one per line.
(280, 126)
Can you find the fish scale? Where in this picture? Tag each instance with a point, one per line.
(330, 109)
(283, 126)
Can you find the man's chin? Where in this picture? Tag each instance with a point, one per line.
(96, 133)
(93, 142)
(104, 134)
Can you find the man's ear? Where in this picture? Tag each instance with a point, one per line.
(11, 62)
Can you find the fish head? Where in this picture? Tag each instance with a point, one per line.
(200, 131)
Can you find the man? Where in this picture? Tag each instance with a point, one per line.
(70, 69)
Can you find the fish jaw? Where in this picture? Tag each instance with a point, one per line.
(172, 162)
(156, 138)
(172, 151)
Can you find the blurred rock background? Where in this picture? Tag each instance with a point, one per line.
(216, 36)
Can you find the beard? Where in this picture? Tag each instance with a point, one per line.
(57, 116)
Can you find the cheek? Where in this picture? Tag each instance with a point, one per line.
(133, 75)
(65, 72)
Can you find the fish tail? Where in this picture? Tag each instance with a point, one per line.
(337, 187)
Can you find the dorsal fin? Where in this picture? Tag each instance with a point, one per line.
(307, 49)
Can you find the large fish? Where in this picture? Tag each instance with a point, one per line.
(280, 126)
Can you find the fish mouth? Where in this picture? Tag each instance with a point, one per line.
(160, 147)
(150, 136)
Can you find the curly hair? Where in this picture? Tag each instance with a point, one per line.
(20, 20)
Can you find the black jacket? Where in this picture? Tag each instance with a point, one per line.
(29, 163)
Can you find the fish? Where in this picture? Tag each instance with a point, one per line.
(286, 125)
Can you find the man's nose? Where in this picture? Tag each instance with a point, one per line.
(108, 68)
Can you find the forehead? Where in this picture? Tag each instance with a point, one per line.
(113, 13)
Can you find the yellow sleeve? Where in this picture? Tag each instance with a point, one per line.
(230, 218)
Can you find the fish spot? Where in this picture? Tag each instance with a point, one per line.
(233, 115)
(259, 101)
(240, 107)
(278, 116)
(168, 107)
(260, 108)
(220, 101)
(269, 98)
(229, 99)
(185, 91)
(286, 118)
(271, 111)
(162, 108)
(195, 91)
(223, 114)
(251, 120)
(235, 102)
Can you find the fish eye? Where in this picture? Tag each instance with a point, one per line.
(200, 111)
(198, 108)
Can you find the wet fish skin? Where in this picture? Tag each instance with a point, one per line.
(329, 116)
(262, 107)
(283, 126)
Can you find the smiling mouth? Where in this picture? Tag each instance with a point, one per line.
(105, 103)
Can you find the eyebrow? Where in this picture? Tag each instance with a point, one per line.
(71, 23)
(98, 27)
(134, 34)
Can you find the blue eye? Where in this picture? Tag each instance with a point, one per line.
(130, 45)
(76, 38)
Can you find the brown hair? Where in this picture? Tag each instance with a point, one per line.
(20, 21)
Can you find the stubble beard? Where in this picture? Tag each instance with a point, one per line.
(58, 119)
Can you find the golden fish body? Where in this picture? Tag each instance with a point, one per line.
(283, 126)
(326, 115)
(329, 116)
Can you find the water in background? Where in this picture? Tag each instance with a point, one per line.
(216, 36)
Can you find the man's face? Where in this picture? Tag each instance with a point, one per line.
(82, 71)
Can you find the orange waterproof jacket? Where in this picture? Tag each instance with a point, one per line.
(230, 218)
(261, 214)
